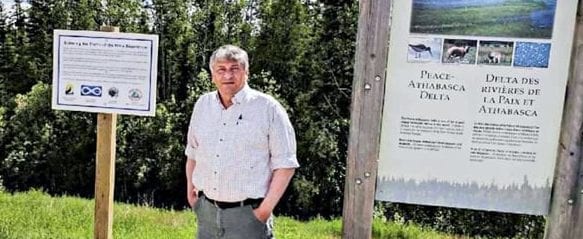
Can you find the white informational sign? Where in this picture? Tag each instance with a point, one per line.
(105, 72)
(474, 99)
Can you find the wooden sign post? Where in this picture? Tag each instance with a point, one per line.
(124, 55)
(105, 174)
(566, 212)
(105, 169)
(367, 101)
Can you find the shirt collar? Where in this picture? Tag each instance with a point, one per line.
(239, 97)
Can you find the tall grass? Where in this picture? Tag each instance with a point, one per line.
(35, 215)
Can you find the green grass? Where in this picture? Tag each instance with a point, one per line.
(37, 215)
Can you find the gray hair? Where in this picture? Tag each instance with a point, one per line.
(232, 53)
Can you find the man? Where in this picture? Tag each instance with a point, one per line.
(241, 153)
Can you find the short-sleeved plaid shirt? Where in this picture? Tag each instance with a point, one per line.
(236, 149)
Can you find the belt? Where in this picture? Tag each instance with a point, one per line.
(254, 202)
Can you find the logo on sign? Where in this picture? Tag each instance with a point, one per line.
(113, 92)
(69, 89)
(91, 90)
(135, 94)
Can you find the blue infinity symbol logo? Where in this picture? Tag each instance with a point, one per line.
(91, 90)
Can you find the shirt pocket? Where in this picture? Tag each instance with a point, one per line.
(252, 152)
(251, 136)
(252, 144)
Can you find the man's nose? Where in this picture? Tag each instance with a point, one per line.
(228, 74)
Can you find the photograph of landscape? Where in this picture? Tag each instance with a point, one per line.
(523, 197)
(494, 18)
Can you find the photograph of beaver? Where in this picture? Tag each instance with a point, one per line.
(495, 53)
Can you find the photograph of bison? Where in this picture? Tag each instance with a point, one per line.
(459, 51)
(495, 53)
(493, 18)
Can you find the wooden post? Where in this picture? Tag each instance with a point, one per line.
(105, 169)
(566, 212)
(367, 100)
(105, 175)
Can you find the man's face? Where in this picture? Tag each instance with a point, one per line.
(229, 76)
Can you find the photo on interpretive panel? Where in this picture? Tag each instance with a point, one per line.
(520, 197)
(494, 18)
(459, 51)
(422, 49)
(495, 53)
(532, 54)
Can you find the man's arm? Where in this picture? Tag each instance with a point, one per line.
(191, 192)
(279, 182)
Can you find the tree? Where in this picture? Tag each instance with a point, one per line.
(322, 103)
(177, 52)
(4, 56)
(218, 22)
(85, 15)
(33, 158)
(281, 44)
(17, 60)
(43, 17)
(125, 14)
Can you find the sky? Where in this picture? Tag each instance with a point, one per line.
(7, 2)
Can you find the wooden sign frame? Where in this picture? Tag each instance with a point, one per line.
(566, 214)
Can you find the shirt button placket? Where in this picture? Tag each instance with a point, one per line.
(219, 148)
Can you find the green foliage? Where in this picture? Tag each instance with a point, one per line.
(5, 57)
(34, 159)
(15, 60)
(43, 16)
(177, 47)
(2, 125)
(4, 97)
(321, 113)
(85, 15)
(149, 153)
(123, 13)
(282, 43)
(2, 140)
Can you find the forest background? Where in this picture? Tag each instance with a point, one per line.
(301, 52)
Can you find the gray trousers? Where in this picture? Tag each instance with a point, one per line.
(231, 223)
